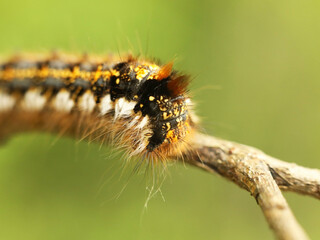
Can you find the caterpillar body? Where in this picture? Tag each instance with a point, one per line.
(141, 105)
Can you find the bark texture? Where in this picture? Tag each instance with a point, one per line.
(261, 175)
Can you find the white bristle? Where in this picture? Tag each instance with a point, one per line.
(33, 100)
(6, 101)
(105, 105)
(123, 108)
(63, 102)
(87, 102)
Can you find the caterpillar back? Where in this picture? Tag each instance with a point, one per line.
(138, 104)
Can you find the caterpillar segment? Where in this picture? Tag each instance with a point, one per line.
(145, 107)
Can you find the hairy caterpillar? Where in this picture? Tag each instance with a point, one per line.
(140, 105)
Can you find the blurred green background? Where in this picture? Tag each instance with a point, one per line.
(255, 66)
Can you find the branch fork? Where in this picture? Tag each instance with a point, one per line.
(261, 175)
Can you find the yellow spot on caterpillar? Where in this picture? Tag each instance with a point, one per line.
(43, 73)
(117, 81)
(115, 73)
(152, 76)
(141, 73)
(76, 71)
(151, 98)
(166, 115)
(171, 136)
(106, 74)
(153, 67)
(163, 109)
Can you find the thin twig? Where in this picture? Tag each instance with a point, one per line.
(261, 175)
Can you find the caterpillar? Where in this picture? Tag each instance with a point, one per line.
(142, 106)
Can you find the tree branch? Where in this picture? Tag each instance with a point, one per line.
(261, 175)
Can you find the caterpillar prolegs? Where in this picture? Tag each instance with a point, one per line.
(142, 106)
